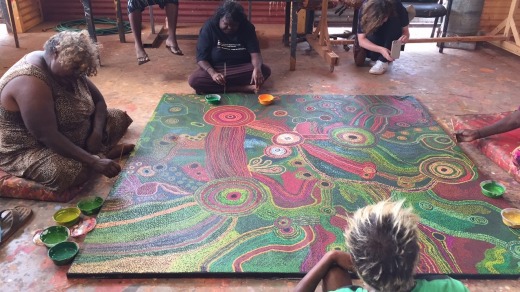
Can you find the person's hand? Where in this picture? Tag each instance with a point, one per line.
(94, 143)
(219, 78)
(107, 167)
(467, 135)
(404, 38)
(257, 78)
(386, 54)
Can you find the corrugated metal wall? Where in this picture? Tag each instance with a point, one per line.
(189, 11)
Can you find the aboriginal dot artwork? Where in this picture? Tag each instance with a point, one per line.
(244, 188)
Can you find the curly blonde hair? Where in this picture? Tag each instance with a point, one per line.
(375, 13)
(76, 52)
(383, 242)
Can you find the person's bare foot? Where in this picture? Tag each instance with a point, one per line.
(120, 150)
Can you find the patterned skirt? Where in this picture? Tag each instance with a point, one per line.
(134, 5)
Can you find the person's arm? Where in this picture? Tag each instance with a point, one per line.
(205, 45)
(367, 44)
(318, 272)
(99, 120)
(257, 78)
(406, 35)
(508, 123)
(36, 105)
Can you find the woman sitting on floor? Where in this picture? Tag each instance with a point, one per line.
(228, 54)
(55, 128)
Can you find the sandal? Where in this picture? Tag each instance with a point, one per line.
(11, 220)
(142, 60)
(175, 50)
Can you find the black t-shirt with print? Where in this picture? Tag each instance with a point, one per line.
(216, 47)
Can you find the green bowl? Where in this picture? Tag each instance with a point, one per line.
(67, 216)
(53, 235)
(90, 205)
(63, 253)
(492, 189)
(213, 98)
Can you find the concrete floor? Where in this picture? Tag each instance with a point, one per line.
(455, 82)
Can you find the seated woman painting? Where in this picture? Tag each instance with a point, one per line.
(228, 54)
(55, 128)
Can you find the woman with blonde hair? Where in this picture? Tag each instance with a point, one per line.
(55, 128)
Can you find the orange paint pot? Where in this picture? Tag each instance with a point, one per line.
(266, 99)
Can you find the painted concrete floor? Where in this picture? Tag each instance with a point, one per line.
(453, 83)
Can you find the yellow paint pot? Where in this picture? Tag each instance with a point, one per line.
(511, 217)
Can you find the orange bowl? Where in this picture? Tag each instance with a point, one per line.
(265, 99)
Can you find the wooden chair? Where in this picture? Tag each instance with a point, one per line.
(431, 9)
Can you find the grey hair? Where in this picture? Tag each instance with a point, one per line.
(383, 242)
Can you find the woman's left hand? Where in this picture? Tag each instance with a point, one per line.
(404, 38)
(257, 78)
(94, 143)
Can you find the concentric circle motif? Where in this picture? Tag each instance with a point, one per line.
(229, 116)
(438, 142)
(383, 110)
(175, 109)
(350, 109)
(288, 139)
(234, 196)
(426, 206)
(301, 99)
(288, 232)
(146, 171)
(328, 211)
(317, 97)
(352, 137)
(326, 105)
(280, 113)
(277, 151)
(283, 222)
(514, 248)
(447, 170)
(479, 220)
(402, 124)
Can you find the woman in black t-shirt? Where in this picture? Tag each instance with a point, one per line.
(380, 23)
(228, 54)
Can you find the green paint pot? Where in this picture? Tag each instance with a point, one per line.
(90, 205)
(63, 253)
(492, 189)
(53, 235)
(213, 98)
(67, 216)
